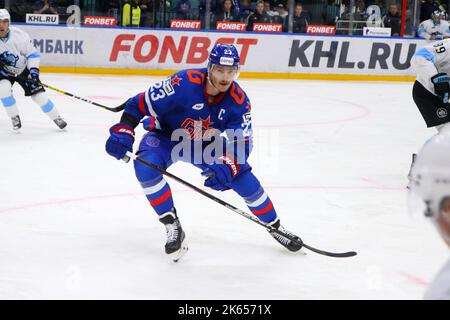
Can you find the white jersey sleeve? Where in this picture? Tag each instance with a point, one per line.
(427, 28)
(439, 289)
(17, 52)
(430, 60)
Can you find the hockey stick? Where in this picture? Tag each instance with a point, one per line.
(131, 155)
(113, 109)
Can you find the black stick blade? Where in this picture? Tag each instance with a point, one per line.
(331, 254)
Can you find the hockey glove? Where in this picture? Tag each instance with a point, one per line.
(441, 83)
(120, 141)
(220, 175)
(34, 83)
(34, 75)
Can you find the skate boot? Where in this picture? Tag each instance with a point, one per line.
(16, 122)
(284, 241)
(176, 245)
(60, 122)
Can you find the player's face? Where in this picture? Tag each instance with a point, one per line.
(222, 77)
(4, 27)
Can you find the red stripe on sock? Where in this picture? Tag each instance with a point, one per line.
(265, 210)
(161, 199)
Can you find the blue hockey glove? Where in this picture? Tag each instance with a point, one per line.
(34, 75)
(34, 83)
(220, 175)
(120, 141)
(441, 83)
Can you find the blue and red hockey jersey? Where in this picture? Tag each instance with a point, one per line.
(181, 102)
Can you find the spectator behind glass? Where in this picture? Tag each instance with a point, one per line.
(331, 12)
(19, 9)
(131, 14)
(427, 7)
(300, 20)
(268, 10)
(214, 6)
(227, 13)
(281, 16)
(183, 9)
(146, 13)
(360, 10)
(259, 16)
(393, 20)
(44, 7)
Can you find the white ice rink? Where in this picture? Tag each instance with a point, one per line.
(333, 156)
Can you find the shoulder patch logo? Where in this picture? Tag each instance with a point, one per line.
(168, 88)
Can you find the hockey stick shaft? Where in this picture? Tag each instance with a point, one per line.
(131, 155)
(113, 109)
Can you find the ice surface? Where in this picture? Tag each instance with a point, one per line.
(333, 157)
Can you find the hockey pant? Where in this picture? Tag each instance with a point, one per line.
(156, 149)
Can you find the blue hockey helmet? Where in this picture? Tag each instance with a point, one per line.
(224, 55)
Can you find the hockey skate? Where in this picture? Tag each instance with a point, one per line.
(176, 245)
(60, 122)
(284, 241)
(16, 122)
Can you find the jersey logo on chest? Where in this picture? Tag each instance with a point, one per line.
(199, 129)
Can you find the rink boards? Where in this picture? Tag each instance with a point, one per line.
(265, 55)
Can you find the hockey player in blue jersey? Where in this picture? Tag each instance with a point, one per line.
(202, 103)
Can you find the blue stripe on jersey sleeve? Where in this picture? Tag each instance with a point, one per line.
(421, 31)
(426, 54)
(34, 55)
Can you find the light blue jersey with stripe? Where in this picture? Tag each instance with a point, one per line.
(430, 60)
(17, 52)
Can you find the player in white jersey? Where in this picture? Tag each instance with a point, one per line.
(436, 28)
(432, 87)
(19, 62)
(429, 195)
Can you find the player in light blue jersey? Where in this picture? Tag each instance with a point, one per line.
(19, 62)
(201, 104)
